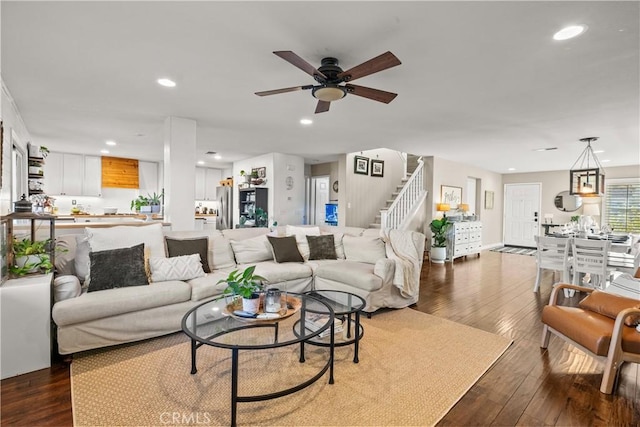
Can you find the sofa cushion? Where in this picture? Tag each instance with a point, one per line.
(65, 287)
(179, 247)
(111, 302)
(301, 234)
(322, 247)
(183, 267)
(208, 286)
(125, 236)
(252, 250)
(610, 305)
(276, 273)
(117, 268)
(363, 249)
(285, 249)
(65, 254)
(221, 254)
(357, 274)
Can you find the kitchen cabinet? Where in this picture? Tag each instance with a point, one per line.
(207, 180)
(148, 173)
(73, 174)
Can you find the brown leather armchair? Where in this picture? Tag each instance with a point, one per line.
(603, 326)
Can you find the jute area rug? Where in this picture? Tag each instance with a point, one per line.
(413, 368)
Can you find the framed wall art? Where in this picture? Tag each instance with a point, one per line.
(377, 168)
(451, 195)
(488, 199)
(261, 172)
(361, 165)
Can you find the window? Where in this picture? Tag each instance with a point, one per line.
(622, 206)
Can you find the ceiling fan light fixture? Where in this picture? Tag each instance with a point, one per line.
(329, 93)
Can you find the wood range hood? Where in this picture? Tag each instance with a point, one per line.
(118, 172)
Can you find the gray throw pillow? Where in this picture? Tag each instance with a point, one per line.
(180, 247)
(285, 249)
(322, 247)
(117, 268)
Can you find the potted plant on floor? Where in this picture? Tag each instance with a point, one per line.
(31, 257)
(247, 285)
(439, 228)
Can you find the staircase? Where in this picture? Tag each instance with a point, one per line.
(407, 194)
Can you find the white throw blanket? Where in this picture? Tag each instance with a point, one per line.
(402, 250)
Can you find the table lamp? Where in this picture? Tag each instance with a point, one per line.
(443, 207)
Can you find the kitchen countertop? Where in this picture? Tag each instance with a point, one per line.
(104, 224)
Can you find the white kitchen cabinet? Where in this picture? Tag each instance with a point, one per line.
(25, 308)
(207, 180)
(464, 238)
(92, 184)
(148, 177)
(73, 174)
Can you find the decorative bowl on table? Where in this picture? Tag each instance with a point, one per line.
(110, 211)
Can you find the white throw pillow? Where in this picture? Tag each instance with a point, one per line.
(183, 267)
(301, 234)
(363, 249)
(65, 287)
(126, 236)
(82, 261)
(252, 250)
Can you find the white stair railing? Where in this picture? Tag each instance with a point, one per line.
(394, 215)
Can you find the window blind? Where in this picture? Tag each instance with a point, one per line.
(622, 206)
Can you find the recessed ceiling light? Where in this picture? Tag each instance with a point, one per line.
(166, 82)
(104, 151)
(570, 32)
(201, 162)
(511, 169)
(217, 157)
(306, 121)
(111, 143)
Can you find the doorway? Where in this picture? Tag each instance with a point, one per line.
(318, 198)
(521, 214)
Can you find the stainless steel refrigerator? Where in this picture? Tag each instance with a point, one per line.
(224, 219)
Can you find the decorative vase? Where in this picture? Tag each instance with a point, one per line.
(251, 305)
(35, 260)
(155, 208)
(438, 255)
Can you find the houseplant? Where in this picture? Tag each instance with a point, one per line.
(141, 204)
(247, 285)
(439, 228)
(155, 201)
(31, 257)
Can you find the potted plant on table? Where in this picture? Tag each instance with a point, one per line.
(247, 285)
(141, 204)
(439, 228)
(31, 257)
(155, 201)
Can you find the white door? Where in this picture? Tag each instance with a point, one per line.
(321, 199)
(521, 214)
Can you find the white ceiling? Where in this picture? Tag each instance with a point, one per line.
(481, 83)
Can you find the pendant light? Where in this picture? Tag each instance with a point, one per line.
(586, 176)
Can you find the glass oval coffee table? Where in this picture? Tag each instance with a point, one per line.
(214, 324)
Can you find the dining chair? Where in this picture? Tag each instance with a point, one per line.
(553, 254)
(591, 257)
(626, 258)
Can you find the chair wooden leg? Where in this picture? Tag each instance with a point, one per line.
(536, 286)
(546, 334)
(611, 371)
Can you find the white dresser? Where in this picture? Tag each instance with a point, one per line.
(464, 238)
(25, 306)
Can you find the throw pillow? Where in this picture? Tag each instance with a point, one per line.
(124, 236)
(65, 287)
(179, 247)
(117, 268)
(285, 249)
(363, 249)
(184, 267)
(65, 254)
(252, 250)
(81, 262)
(322, 247)
(610, 305)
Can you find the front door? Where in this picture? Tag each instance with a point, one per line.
(521, 214)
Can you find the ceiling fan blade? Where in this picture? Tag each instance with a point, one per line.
(294, 59)
(375, 94)
(379, 63)
(322, 107)
(277, 91)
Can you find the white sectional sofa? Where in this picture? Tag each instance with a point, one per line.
(385, 271)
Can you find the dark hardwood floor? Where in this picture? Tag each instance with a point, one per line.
(527, 385)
